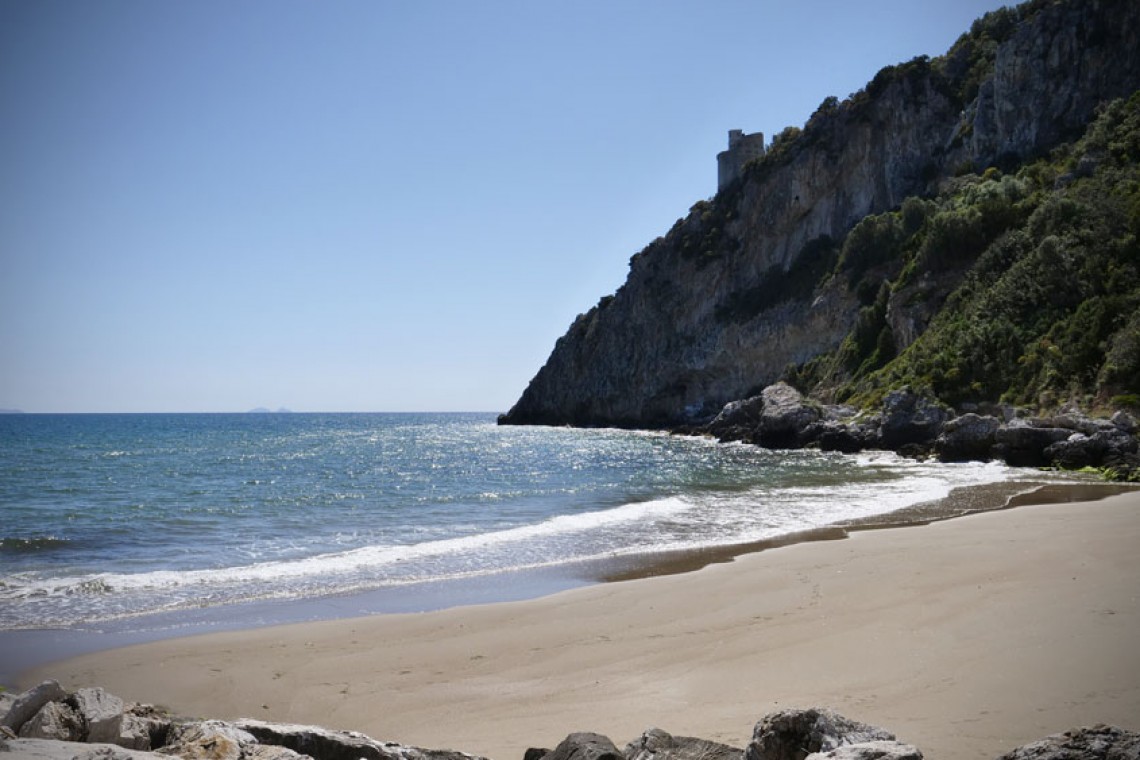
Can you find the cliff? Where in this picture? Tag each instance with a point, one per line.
(741, 291)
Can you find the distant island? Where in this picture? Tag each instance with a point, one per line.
(264, 410)
(11, 411)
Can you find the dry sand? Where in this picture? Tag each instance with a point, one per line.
(966, 638)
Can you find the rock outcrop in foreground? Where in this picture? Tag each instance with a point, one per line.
(742, 289)
(48, 723)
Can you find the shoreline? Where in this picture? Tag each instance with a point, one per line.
(35, 648)
(966, 637)
(24, 650)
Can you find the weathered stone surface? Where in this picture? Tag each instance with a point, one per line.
(1096, 743)
(795, 734)
(102, 714)
(50, 749)
(737, 420)
(878, 750)
(1126, 422)
(910, 418)
(1079, 422)
(585, 746)
(339, 745)
(966, 438)
(7, 699)
(1023, 445)
(785, 416)
(30, 702)
(143, 727)
(207, 740)
(55, 720)
(846, 437)
(1080, 450)
(656, 744)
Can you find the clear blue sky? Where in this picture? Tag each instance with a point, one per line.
(373, 205)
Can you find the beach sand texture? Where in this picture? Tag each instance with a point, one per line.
(966, 638)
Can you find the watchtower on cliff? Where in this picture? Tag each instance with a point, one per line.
(742, 148)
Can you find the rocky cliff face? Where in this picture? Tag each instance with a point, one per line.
(720, 305)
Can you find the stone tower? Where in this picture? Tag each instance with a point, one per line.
(742, 148)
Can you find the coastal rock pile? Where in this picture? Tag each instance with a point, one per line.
(780, 417)
(46, 723)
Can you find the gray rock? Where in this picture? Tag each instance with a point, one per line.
(908, 418)
(207, 740)
(785, 416)
(1077, 421)
(143, 727)
(585, 746)
(795, 734)
(966, 438)
(1022, 444)
(30, 702)
(1096, 743)
(55, 720)
(656, 744)
(101, 712)
(845, 437)
(7, 699)
(338, 745)
(1126, 422)
(737, 420)
(1080, 450)
(878, 750)
(50, 749)
(103, 752)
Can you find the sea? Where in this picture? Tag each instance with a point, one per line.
(174, 522)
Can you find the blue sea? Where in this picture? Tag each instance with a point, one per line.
(108, 518)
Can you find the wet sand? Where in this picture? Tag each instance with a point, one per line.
(966, 637)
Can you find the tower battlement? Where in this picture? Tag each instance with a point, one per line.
(742, 148)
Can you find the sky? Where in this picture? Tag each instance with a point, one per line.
(370, 205)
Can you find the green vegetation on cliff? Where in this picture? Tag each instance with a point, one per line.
(1021, 287)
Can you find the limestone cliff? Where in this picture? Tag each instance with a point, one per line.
(719, 306)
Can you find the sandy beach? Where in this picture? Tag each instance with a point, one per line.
(965, 637)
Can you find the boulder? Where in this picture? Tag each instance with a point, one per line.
(879, 750)
(30, 702)
(7, 699)
(102, 713)
(338, 745)
(1078, 422)
(143, 727)
(1080, 450)
(1122, 420)
(585, 746)
(51, 749)
(1023, 444)
(967, 438)
(55, 720)
(737, 420)
(910, 418)
(1096, 743)
(784, 417)
(207, 740)
(795, 734)
(845, 437)
(656, 744)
